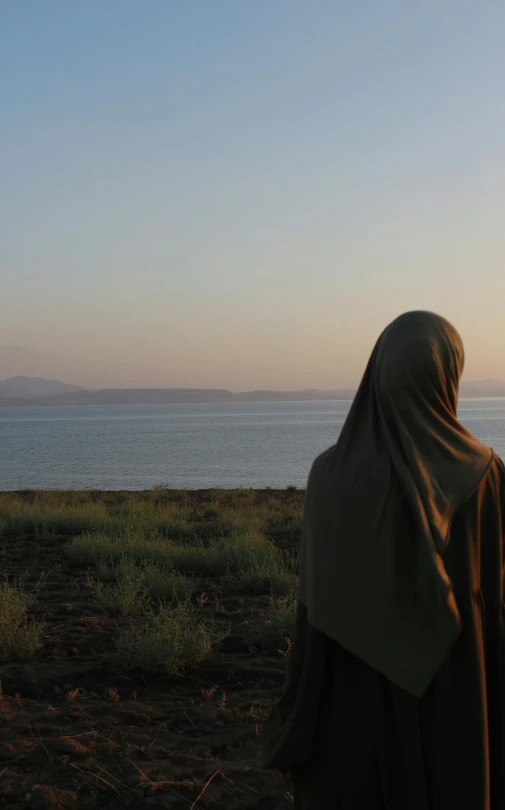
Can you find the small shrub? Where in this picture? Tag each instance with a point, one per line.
(241, 548)
(20, 637)
(166, 584)
(273, 572)
(279, 622)
(133, 586)
(197, 559)
(127, 597)
(242, 520)
(173, 642)
(88, 548)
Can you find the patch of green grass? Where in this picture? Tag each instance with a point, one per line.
(213, 495)
(43, 517)
(226, 521)
(20, 637)
(164, 520)
(90, 547)
(129, 589)
(149, 550)
(135, 544)
(173, 642)
(244, 497)
(221, 555)
(217, 557)
(172, 514)
(166, 584)
(178, 496)
(127, 596)
(273, 572)
(287, 524)
(24, 519)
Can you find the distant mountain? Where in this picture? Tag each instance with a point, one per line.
(13, 402)
(22, 391)
(482, 388)
(140, 396)
(308, 395)
(34, 387)
(17, 391)
(5, 390)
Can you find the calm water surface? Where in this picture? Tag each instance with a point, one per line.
(185, 446)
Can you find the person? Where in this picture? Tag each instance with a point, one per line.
(395, 692)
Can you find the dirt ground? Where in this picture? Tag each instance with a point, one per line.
(77, 731)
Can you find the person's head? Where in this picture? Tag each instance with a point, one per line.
(419, 356)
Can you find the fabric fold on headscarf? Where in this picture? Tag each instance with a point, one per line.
(379, 506)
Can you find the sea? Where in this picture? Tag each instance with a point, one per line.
(196, 446)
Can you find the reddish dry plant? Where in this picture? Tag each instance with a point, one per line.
(208, 694)
(222, 703)
(285, 653)
(205, 599)
(91, 621)
(257, 716)
(202, 600)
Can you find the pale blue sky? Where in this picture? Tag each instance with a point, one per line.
(243, 193)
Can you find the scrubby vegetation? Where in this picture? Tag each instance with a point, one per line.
(147, 551)
(156, 624)
(173, 642)
(20, 636)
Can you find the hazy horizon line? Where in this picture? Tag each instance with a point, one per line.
(161, 387)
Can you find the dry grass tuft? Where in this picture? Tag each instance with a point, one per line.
(20, 637)
(171, 643)
(129, 589)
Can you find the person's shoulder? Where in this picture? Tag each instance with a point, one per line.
(495, 475)
(321, 465)
(496, 466)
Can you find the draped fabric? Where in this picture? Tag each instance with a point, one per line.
(379, 506)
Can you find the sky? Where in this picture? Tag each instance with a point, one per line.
(243, 194)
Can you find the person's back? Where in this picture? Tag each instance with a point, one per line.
(367, 734)
(462, 715)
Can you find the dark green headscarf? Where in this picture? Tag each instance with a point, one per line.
(380, 502)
